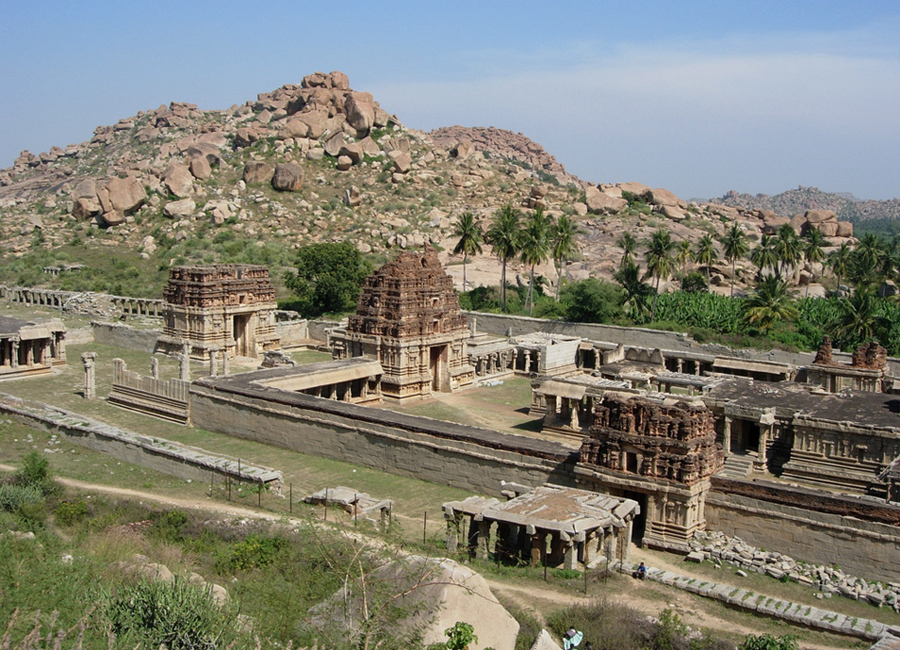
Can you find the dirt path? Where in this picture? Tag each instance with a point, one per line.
(534, 598)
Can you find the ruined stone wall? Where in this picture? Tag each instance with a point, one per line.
(124, 336)
(386, 441)
(868, 549)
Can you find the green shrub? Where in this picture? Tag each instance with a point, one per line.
(176, 614)
(69, 513)
(14, 497)
(255, 552)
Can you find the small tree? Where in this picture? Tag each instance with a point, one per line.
(328, 278)
(769, 642)
(705, 253)
(535, 248)
(735, 245)
(659, 260)
(562, 234)
(470, 238)
(505, 238)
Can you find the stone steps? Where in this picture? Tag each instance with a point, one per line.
(737, 466)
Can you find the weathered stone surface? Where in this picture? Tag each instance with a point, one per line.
(352, 196)
(663, 197)
(200, 168)
(125, 194)
(402, 163)
(600, 203)
(360, 110)
(344, 163)
(844, 229)
(820, 216)
(333, 144)
(179, 180)
(354, 151)
(86, 189)
(258, 172)
(638, 189)
(112, 218)
(179, 209)
(84, 208)
(463, 150)
(288, 177)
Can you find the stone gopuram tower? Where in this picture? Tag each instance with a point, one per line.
(408, 318)
(661, 455)
(226, 309)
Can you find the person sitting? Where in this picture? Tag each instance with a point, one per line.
(640, 572)
(572, 639)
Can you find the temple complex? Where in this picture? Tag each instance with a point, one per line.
(867, 370)
(226, 309)
(408, 319)
(30, 347)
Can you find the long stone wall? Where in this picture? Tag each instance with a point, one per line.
(465, 457)
(153, 453)
(125, 336)
(864, 548)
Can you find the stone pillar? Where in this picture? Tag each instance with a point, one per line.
(184, 363)
(154, 367)
(454, 523)
(225, 362)
(61, 346)
(14, 357)
(213, 366)
(550, 410)
(726, 435)
(574, 422)
(537, 548)
(766, 427)
(90, 390)
(570, 554)
(482, 549)
(680, 365)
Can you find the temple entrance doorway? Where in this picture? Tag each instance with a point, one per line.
(640, 521)
(440, 369)
(745, 438)
(242, 336)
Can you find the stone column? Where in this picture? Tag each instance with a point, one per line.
(482, 550)
(550, 410)
(184, 363)
(90, 390)
(454, 524)
(574, 421)
(225, 362)
(154, 367)
(570, 554)
(537, 547)
(14, 357)
(726, 435)
(61, 346)
(766, 426)
(680, 365)
(213, 366)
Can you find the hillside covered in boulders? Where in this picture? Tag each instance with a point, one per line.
(319, 161)
(846, 206)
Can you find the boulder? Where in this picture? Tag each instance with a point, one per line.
(179, 180)
(352, 196)
(820, 216)
(200, 169)
(396, 144)
(125, 194)
(86, 189)
(798, 223)
(111, 218)
(663, 197)
(359, 107)
(288, 177)
(354, 151)
(333, 145)
(205, 150)
(638, 189)
(297, 128)
(674, 213)
(179, 209)
(339, 80)
(599, 203)
(84, 208)
(402, 163)
(463, 150)
(844, 229)
(369, 146)
(827, 228)
(258, 172)
(580, 208)
(315, 123)
(344, 163)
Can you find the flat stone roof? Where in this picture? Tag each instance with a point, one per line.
(553, 507)
(880, 410)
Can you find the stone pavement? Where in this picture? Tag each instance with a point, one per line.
(807, 615)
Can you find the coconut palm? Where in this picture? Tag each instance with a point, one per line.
(770, 303)
(562, 236)
(504, 236)
(683, 256)
(859, 320)
(735, 245)
(637, 292)
(628, 244)
(659, 260)
(706, 254)
(840, 262)
(763, 256)
(470, 238)
(788, 248)
(536, 248)
(813, 250)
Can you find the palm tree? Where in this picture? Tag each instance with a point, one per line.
(562, 235)
(770, 303)
(504, 236)
(763, 256)
(859, 320)
(869, 250)
(683, 256)
(788, 248)
(628, 244)
(470, 238)
(535, 249)
(637, 292)
(735, 245)
(813, 250)
(840, 262)
(659, 260)
(706, 254)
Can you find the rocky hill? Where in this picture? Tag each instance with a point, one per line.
(792, 202)
(319, 161)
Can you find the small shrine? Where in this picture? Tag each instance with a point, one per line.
(867, 370)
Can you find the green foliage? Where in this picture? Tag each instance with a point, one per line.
(618, 626)
(70, 513)
(769, 642)
(177, 614)
(14, 497)
(169, 525)
(670, 630)
(460, 636)
(35, 473)
(694, 283)
(328, 278)
(255, 552)
(567, 574)
(592, 301)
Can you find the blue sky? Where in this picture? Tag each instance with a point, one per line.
(699, 97)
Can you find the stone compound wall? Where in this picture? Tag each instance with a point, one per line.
(465, 457)
(867, 549)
